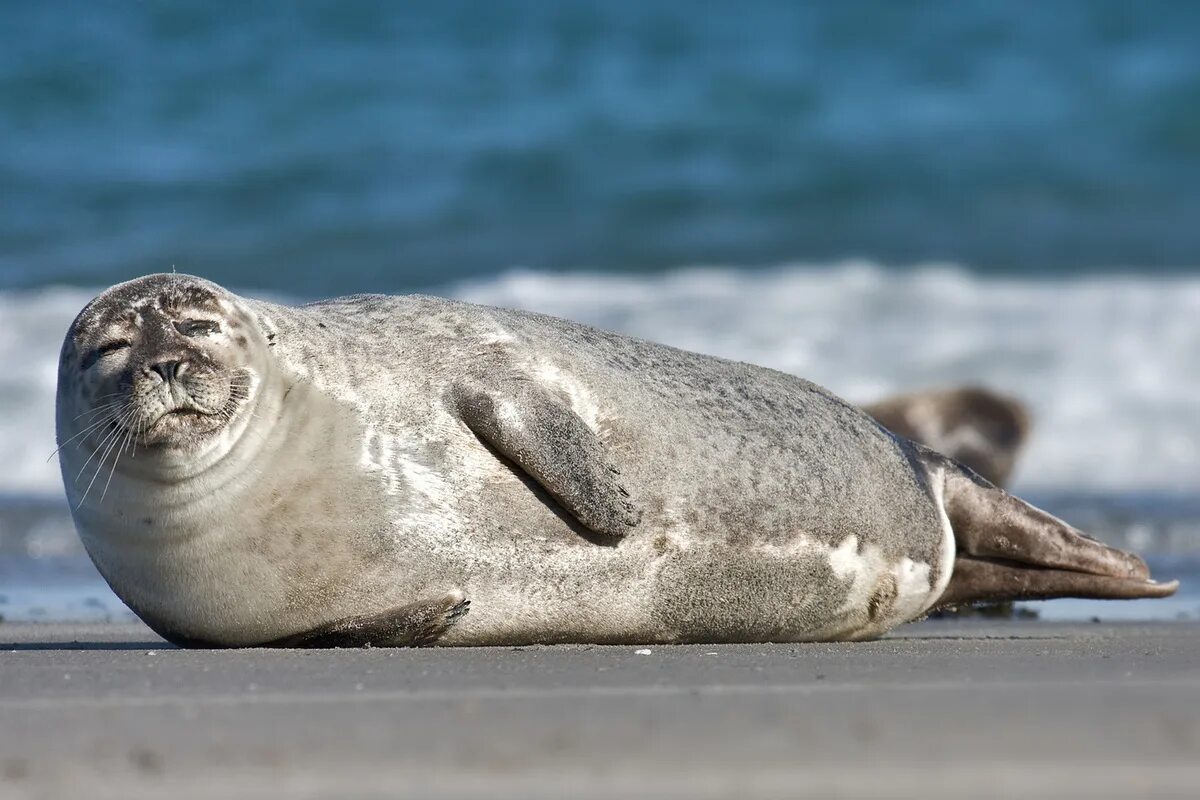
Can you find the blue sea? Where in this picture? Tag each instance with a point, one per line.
(874, 195)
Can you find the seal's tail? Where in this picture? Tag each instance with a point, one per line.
(1010, 550)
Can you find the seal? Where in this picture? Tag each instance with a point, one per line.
(355, 471)
(979, 428)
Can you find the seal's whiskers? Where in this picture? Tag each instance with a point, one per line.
(118, 424)
(111, 439)
(116, 458)
(84, 432)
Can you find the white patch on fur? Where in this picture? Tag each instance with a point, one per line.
(948, 548)
(507, 411)
(794, 547)
(424, 481)
(428, 498)
(862, 569)
(912, 590)
(499, 336)
(674, 526)
(867, 570)
(378, 456)
(583, 403)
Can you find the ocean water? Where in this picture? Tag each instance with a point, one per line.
(876, 196)
(377, 146)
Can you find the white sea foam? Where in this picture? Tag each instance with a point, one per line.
(32, 325)
(1110, 365)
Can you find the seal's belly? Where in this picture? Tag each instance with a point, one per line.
(653, 589)
(531, 577)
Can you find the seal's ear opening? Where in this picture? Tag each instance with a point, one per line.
(1010, 550)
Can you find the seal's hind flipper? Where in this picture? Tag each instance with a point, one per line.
(413, 625)
(1010, 550)
(978, 580)
(549, 441)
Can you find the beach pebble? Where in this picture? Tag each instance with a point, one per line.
(641, 652)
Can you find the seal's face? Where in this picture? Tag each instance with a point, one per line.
(164, 362)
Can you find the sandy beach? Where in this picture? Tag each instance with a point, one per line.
(938, 709)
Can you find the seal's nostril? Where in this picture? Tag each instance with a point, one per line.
(168, 370)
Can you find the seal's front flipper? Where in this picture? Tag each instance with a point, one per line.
(556, 448)
(413, 625)
(1009, 550)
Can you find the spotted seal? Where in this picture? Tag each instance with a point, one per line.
(979, 428)
(355, 471)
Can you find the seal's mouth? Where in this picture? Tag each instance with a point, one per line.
(186, 413)
(179, 425)
(185, 409)
(181, 415)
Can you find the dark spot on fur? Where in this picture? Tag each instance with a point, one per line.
(146, 760)
(241, 341)
(16, 769)
(882, 600)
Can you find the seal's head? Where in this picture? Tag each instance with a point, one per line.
(165, 362)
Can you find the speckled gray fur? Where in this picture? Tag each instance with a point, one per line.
(574, 484)
(718, 456)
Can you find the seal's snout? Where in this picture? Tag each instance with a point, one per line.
(173, 383)
(179, 396)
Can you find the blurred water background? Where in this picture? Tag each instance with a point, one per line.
(876, 196)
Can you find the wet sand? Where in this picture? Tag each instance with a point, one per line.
(939, 709)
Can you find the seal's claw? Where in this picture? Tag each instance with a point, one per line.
(415, 625)
(453, 608)
(457, 612)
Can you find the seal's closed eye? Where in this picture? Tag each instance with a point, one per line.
(197, 327)
(101, 351)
